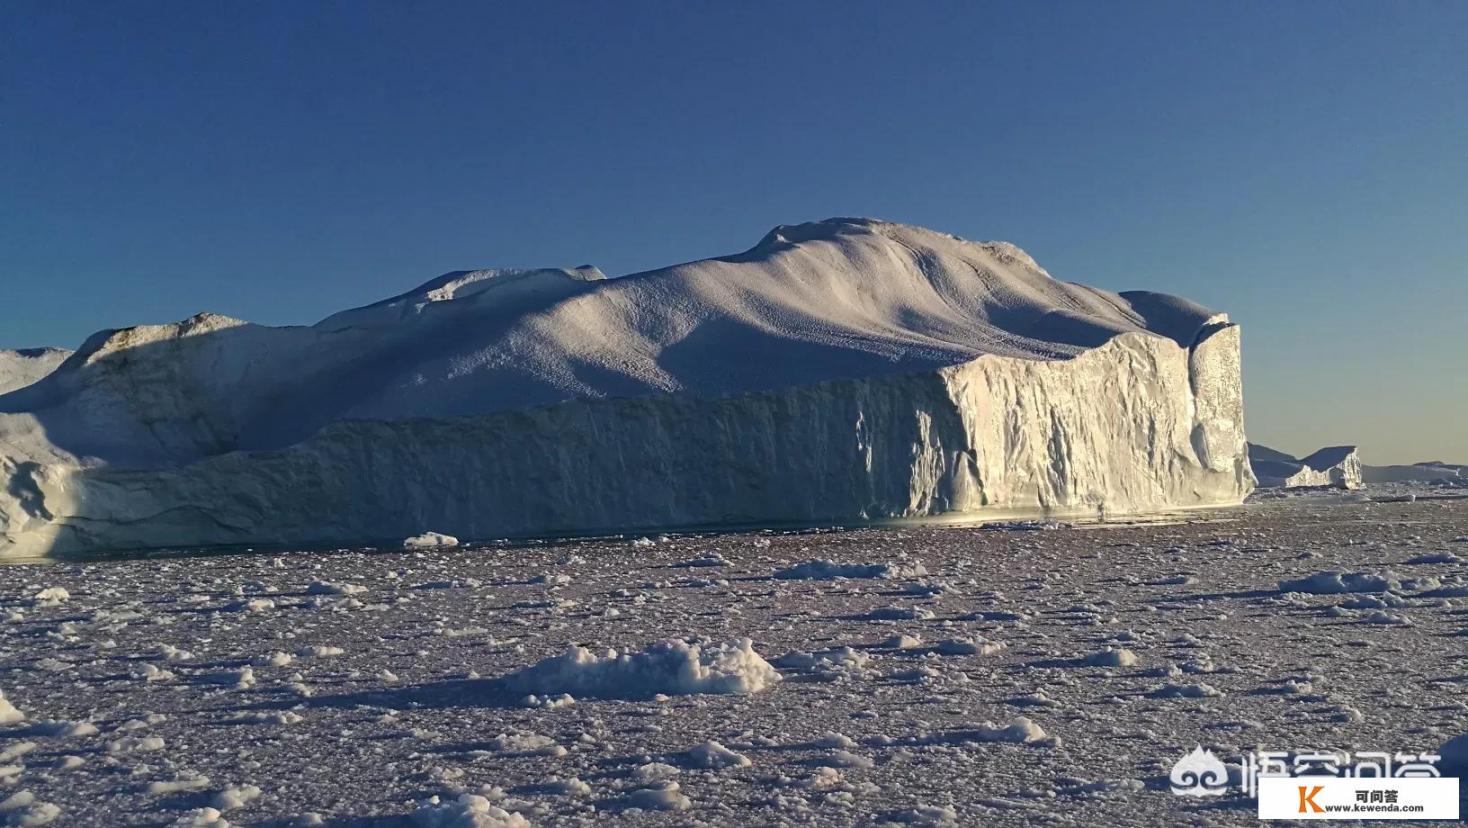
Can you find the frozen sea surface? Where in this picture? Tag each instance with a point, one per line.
(1029, 675)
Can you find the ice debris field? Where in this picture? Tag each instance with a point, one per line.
(1003, 676)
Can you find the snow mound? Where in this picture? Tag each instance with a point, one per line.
(673, 667)
(713, 756)
(201, 818)
(1112, 657)
(823, 570)
(976, 645)
(666, 796)
(468, 811)
(833, 664)
(51, 596)
(327, 588)
(1339, 582)
(23, 810)
(926, 816)
(235, 796)
(1185, 691)
(1020, 730)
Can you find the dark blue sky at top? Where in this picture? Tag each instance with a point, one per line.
(1303, 166)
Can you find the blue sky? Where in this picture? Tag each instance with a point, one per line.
(1303, 166)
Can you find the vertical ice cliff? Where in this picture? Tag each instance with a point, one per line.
(844, 370)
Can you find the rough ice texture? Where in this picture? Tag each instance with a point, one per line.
(1338, 466)
(672, 667)
(838, 371)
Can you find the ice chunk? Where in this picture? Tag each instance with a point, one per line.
(468, 811)
(1112, 657)
(1336, 582)
(713, 756)
(235, 796)
(430, 540)
(8, 712)
(824, 570)
(673, 666)
(325, 588)
(978, 645)
(1019, 730)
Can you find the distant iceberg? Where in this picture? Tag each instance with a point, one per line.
(839, 371)
(1337, 466)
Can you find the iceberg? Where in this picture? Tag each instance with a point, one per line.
(1423, 472)
(844, 370)
(1336, 466)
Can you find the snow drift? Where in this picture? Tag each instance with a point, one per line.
(841, 370)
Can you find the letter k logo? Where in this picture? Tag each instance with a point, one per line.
(1309, 799)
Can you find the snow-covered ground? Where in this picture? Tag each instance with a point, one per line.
(1022, 675)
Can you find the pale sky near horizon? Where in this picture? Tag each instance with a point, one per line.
(1303, 166)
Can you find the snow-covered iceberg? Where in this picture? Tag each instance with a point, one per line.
(841, 370)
